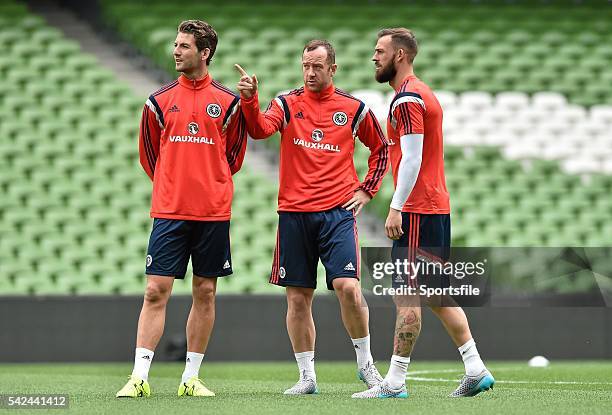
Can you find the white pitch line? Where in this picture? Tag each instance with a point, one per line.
(525, 382)
(426, 372)
(531, 382)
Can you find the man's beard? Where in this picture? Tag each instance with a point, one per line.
(386, 73)
(186, 67)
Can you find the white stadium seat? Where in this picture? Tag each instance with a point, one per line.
(476, 100)
(581, 165)
(549, 100)
(375, 100)
(531, 115)
(607, 166)
(447, 99)
(545, 126)
(522, 150)
(601, 113)
(572, 113)
(498, 114)
(558, 152)
(512, 100)
(590, 128)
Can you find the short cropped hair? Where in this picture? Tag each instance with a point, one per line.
(205, 35)
(402, 38)
(313, 44)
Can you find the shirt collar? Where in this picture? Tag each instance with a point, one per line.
(195, 84)
(406, 79)
(319, 96)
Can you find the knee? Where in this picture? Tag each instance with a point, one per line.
(299, 302)
(157, 294)
(403, 302)
(204, 292)
(349, 293)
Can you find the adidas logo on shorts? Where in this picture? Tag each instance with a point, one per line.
(226, 265)
(349, 267)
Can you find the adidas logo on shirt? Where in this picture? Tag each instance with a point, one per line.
(299, 115)
(226, 265)
(174, 109)
(349, 267)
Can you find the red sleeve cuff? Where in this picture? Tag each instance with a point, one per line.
(365, 190)
(250, 101)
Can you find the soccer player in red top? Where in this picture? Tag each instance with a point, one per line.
(319, 196)
(419, 215)
(192, 140)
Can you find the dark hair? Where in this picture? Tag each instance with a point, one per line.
(402, 38)
(205, 35)
(313, 44)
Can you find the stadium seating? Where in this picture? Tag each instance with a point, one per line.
(75, 201)
(527, 123)
(528, 130)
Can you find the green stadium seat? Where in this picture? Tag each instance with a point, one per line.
(86, 186)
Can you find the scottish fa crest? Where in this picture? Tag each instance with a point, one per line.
(214, 110)
(339, 118)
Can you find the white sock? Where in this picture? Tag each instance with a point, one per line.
(396, 376)
(192, 365)
(471, 359)
(142, 362)
(362, 350)
(305, 361)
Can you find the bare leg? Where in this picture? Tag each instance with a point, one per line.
(300, 324)
(452, 318)
(407, 330)
(202, 315)
(455, 322)
(353, 307)
(153, 314)
(407, 324)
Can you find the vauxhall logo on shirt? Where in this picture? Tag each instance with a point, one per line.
(317, 144)
(193, 129)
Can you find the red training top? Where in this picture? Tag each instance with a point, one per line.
(416, 110)
(192, 139)
(318, 133)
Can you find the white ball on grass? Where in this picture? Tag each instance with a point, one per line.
(538, 361)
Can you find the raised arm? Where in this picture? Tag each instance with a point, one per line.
(259, 125)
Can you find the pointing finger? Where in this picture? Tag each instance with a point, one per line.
(239, 69)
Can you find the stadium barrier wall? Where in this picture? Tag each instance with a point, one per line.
(252, 327)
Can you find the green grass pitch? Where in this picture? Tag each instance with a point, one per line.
(256, 388)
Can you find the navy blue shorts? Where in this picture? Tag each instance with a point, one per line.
(426, 238)
(172, 242)
(304, 237)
